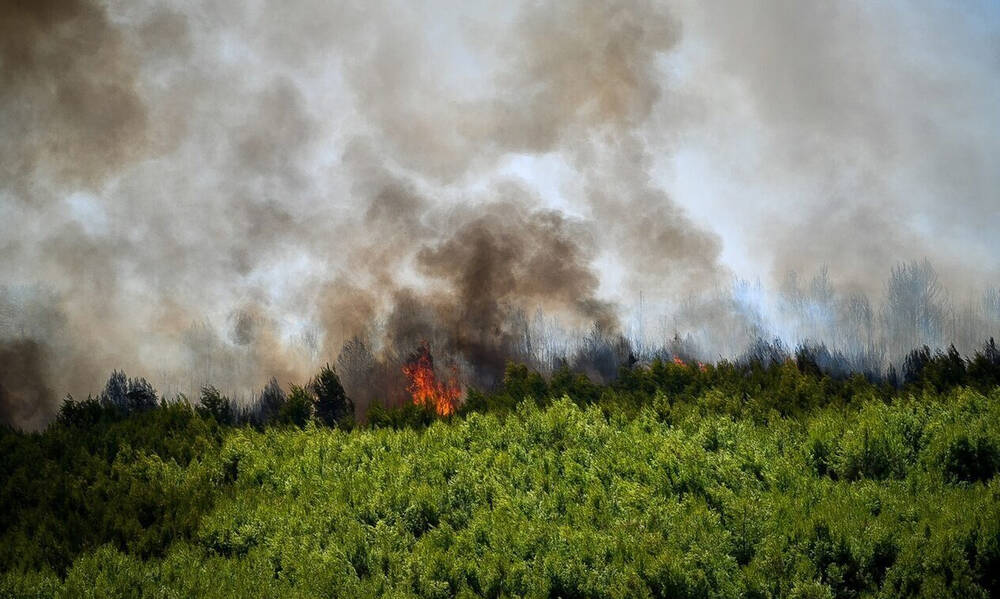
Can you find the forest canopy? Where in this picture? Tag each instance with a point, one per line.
(768, 478)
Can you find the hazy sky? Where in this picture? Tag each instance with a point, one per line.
(303, 164)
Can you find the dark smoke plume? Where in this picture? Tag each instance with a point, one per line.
(25, 399)
(68, 96)
(213, 195)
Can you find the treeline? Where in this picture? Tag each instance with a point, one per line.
(322, 400)
(766, 377)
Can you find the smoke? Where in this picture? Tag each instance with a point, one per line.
(24, 397)
(210, 194)
(500, 257)
(856, 135)
(69, 94)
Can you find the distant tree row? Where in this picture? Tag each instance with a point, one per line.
(767, 376)
(322, 400)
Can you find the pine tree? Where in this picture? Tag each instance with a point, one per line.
(332, 406)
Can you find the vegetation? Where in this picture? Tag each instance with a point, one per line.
(767, 478)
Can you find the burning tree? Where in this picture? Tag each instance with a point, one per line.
(424, 385)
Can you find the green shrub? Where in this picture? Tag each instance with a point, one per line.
(970, 457)
(298, 408)
(698, 493)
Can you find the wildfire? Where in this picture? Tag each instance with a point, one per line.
(701, 365)
(425, 388)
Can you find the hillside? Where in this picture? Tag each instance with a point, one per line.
(678, 499)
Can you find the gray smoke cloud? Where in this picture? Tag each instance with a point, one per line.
(871, 132)
(227, 192)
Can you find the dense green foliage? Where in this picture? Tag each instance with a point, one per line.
(674, 481)
(766, 478)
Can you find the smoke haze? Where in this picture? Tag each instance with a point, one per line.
(222, 192)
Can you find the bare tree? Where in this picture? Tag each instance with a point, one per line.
(915, 308)
(356, 364)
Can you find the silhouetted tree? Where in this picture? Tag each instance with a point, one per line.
(949, 369)
(216, 405)
(332, 406)
(892, 377)
(764, 353)
(943, 370)
(269, 403)
(81, 413)
(115, 394)
(984, 367)
(126, 396)
(298, 408)
(140, 396)
(914, 364)
(602, 354)
(807, 361)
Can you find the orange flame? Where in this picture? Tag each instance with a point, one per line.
(425, 388)
(701, 365)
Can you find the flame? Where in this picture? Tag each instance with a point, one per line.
(701, 365)
(425, 388)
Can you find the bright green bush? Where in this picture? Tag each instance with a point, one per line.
(696, 497)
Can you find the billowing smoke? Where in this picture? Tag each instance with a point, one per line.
(23, 392)
(211, 194)
(70, 106)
